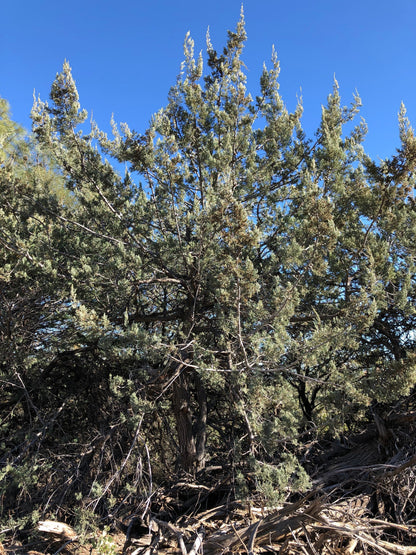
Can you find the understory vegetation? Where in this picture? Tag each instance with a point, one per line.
(241, 297)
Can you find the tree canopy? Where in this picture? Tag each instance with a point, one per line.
(240, 291)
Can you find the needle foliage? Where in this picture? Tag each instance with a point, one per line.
(241, 290)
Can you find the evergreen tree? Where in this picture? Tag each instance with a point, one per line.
(247, 257)
(240, 286)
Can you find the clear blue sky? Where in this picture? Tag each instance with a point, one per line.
(125, 54)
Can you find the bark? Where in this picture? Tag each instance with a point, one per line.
(183, 417)
(201, 424)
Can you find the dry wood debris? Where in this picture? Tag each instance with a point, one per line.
(363, 502)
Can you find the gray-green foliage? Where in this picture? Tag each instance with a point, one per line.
(239, 287)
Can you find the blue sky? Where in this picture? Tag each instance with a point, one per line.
(125, 54)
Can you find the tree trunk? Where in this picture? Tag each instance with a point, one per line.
(183, 417)
(201, 423)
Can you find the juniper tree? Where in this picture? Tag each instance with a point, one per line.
(24, 267)
(29, 310)
(240, 274)
(56, 358)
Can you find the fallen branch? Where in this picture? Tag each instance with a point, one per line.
(407, 464)
(198, 541)
(381, 546)
(253, 538)
(275, 527)
(58, 528)
(173, 530)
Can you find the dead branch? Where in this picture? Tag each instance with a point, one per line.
(272, 528)
(58, 528)
(198, 541)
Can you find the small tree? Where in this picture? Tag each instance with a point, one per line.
(240, 286)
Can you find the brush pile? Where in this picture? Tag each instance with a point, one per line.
(363, 501)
